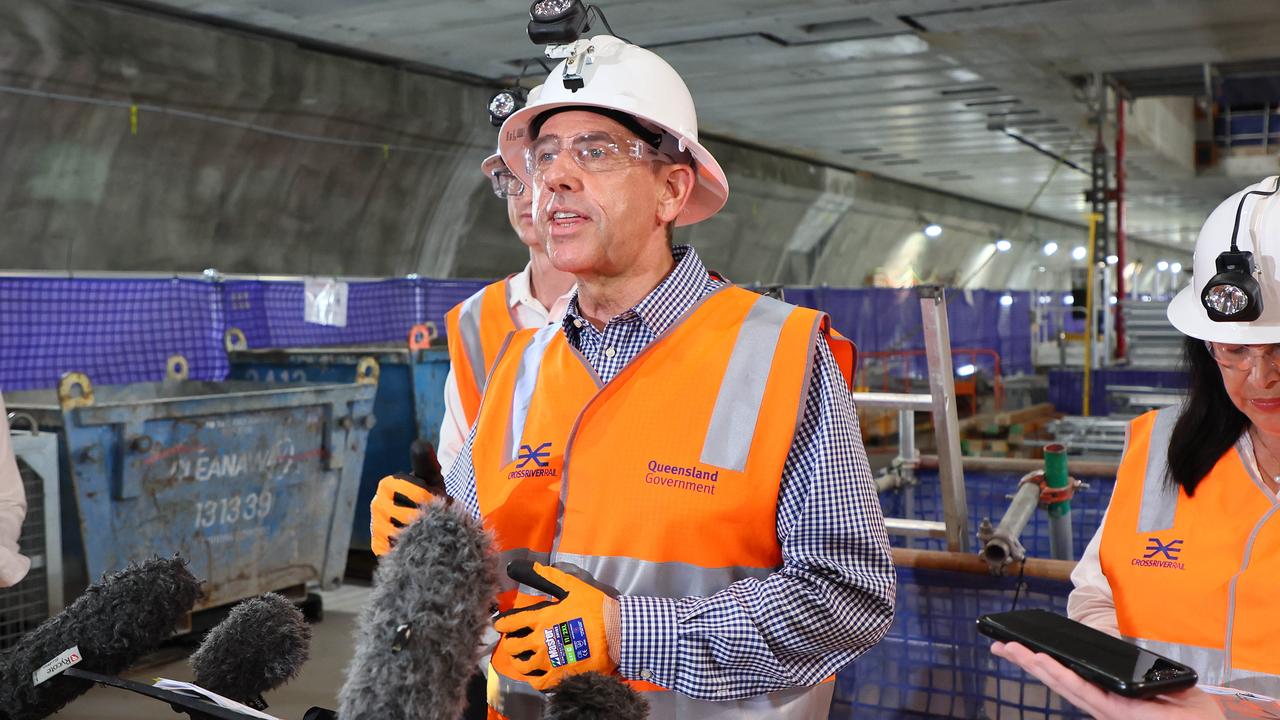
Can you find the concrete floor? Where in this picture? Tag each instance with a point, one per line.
(317, 684)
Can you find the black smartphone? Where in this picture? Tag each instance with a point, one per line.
(1106, 661)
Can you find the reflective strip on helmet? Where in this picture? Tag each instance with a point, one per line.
(526, 381)
(1159, 497)
(469, 325)
(629, 576)
(733, 421)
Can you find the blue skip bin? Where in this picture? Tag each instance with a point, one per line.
(409, 404)
(254, 484)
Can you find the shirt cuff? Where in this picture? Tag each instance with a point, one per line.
(649, 639)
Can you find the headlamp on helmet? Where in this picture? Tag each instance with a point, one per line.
(504, 103)
(1233, 294)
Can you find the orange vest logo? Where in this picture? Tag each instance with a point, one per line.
(688, 478)
(1168, 551)
(538, 457)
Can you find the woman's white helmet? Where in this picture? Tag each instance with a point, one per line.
(1256, 230)
(620, 76)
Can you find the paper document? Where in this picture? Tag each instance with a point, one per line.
(196, 691)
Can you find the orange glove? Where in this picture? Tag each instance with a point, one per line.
(399, 497)
(545, 642)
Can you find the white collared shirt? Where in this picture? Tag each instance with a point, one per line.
(13, 508)
(528, 313)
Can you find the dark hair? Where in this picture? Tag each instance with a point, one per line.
(1209, 424)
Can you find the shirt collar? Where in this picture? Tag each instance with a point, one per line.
(668, 302)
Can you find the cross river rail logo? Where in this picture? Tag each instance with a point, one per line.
(1161, 555)
(533, 462)
(689, 478)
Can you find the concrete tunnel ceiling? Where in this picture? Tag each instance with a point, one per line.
(914, 90)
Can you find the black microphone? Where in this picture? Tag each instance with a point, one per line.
(595, 696)
(260, 646)
(418, 637)
(116, 621)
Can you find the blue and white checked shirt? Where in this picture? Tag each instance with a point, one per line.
(833, 597)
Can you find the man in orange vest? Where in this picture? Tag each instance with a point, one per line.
(674, 473)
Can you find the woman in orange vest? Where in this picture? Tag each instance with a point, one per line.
(1187, 561)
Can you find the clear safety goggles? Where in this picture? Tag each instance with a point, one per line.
(505, 183)
(592, 151)
(1244, 357)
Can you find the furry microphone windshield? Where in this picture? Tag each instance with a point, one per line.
(260, 646)
(418, 637)
(116, 621)
(593, 696)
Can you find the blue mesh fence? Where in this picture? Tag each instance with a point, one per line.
(115, 331)
(1066, 387)
(934, 663)
(884, 319)
(271, 313)
(441, 295)
(987, 495)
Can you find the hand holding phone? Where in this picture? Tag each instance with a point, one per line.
(1111, 663)
(1189, 704)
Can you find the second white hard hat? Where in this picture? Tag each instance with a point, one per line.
(1257, 230)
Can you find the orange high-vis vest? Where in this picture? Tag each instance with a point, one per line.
(1195, 578)
(477, 328)
(662, 482)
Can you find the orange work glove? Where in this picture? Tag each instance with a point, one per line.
(399, 497)
(545, 642)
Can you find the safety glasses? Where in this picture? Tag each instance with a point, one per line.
(506, 184)
(1242, 358)
(592, 151)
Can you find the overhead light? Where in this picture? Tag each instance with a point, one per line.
(1078, 252)
(1050, 247)
(1112, 300)
(932, 230)
(1113, 259)
(1175, 268)
(504, 103)
(1044, 299)
(966, 370)
(1068, 299)
(1162, 265)
(557, 22)
(1006, 300)
(1003, 245)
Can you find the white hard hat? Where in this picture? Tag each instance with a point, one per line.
(629, 79)
(1257, 230)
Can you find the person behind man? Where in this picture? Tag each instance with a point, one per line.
(13, 509)
(678, 463)
(477, 327)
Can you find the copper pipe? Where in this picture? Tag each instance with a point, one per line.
(1077, 468)
(974, 564)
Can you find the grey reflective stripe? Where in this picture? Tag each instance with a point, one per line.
(806, 703)
(1159, 497)
(526, 381)
(519, 701)
(1211, 665)
(508, 556)
(628, 576)
(1231, 588)
(733, 421)
(469, 325)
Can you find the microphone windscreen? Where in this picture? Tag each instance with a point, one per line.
(261, 645)
(418, 637)
(594, 696)
(116, 621)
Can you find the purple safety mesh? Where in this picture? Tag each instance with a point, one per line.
(115, 331)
